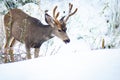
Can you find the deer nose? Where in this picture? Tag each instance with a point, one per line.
(67, 41)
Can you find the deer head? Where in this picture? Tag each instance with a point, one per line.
(59, 25)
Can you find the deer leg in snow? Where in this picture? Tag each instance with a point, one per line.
(28, 53)
(36, 52)
(6, 46)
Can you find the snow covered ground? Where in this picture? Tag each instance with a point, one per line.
(87, 65)
(74, 61)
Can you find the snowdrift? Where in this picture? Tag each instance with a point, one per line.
(88, 65)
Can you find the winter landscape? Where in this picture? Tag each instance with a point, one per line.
(92, 54)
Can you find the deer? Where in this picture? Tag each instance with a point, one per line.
(19, 26)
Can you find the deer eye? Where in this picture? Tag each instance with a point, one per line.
(59, 30)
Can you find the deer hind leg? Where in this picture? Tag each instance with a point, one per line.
(7, 37)
(11, 49)
(36, 52)
(6, 46)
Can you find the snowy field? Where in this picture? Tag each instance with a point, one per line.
(88, 65)
(77, 60)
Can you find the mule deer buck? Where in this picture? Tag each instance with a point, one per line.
(29, 30)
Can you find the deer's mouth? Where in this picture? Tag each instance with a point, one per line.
(66, 41)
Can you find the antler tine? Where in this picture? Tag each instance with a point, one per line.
(46, 11)
(70, 14)
(70, 7)
(55, 16)
(54, 10)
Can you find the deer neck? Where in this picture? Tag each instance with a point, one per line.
(49, 32)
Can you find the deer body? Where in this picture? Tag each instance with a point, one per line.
(25, 29)
(29, 30)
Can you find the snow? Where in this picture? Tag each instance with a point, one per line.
(76, 60)
(88, 65)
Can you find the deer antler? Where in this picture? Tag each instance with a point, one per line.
(55, 16)
(54, 10)
(70, 14)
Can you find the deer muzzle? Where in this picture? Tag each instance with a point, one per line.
(66, 41)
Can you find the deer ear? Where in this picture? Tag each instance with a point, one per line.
(49, 20)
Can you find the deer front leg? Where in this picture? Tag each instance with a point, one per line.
(36, 52)
(28, 53)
